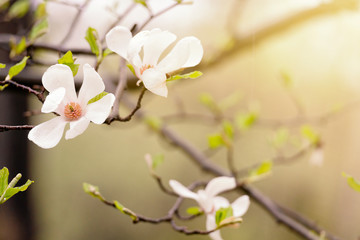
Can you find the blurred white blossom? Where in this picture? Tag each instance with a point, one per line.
(210, 202)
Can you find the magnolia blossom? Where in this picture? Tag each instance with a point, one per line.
(151, 44)
(62, 99)
(210, 202)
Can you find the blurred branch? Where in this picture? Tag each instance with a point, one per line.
(280, 159)
(39, 95)
(71, 29)
(119, 18)
(204, 163)
(154, 15)
(240, 43)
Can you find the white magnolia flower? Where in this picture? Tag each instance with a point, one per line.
(210, 202)
(62, 99)
(151, 44)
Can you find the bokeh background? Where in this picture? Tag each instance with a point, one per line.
(320, 50)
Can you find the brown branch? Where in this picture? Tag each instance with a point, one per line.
(306, 222)
(39, 95)
(277, 27)
(268, 205)
(129, 117)
(4, 128)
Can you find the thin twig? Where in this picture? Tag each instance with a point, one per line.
(122, 81)
(280, 159)
(128, 117)
(118, 19)
(152, 16)
(73, 23)
(4, 128)
(39, 95)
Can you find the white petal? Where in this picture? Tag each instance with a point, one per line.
(210, 225)
(49, 133)
(91, 86)
(136, 43)
(155, 44)
(77, 127)
(205, 202)
(53, 100)
(60, 75)
(182, 191)
(186, 53)
(220, 202)
(240, 206)
(118, 39)
(220, 184)
(155, 81)
(98, 111)
(196, 51)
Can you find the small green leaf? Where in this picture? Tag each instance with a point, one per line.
(352, 182)
(154, 122)
(17, 68)
(206, 99)
(3, 87)
(222, 214)
(2, 65)
(4, 178)
(68, 60)
(7, 190)
(98, 97)
(194, 211)
(157, 160)
(106, 52)
(12, 191)
(126, 211)
(264, 168)
(18, 9)
(93, 191)
(215, 141)
(287, 80)
(228, 129)
(39, 29)
(17, 49)
(191, 75)
(142, 2)
(230, 100)
(131, 68)
(40, 11)
(246, 120)
(310, 134)
(92, 37)
(279, 138)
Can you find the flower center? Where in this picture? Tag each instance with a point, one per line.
(146, 66)
(72, 111)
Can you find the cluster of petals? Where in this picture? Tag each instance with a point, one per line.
(210, 202)
(143, 52)
(58, 80)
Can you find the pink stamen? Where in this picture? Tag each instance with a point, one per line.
(72, 111)
(145, 67)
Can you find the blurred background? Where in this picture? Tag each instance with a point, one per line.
(249, 45)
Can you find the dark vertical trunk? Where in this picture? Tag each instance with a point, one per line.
(15, 215)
